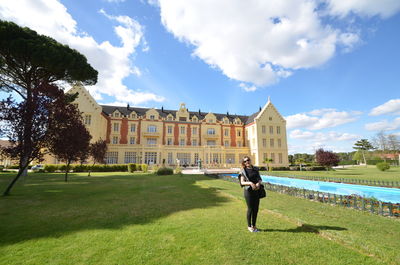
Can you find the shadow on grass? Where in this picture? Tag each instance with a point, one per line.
(306, 228)
(53, 209)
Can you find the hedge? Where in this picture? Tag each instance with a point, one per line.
(165, 171)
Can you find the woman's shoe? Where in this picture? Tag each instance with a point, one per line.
(250, 229)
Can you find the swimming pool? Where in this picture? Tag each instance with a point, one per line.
(380, 193)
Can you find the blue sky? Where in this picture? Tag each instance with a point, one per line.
(329, 66)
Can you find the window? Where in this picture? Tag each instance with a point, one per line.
(196, 158)
(270, 118)
(211, 131)
(210, 121)
(151, 128)
(133, 116)
(132, 140)
(271, 142)
(130, 157)
(226, 132)
(263, 130)
(152, 117)
(184, 158)
(133, 127)
(278, 129)
(194, 142)
(182, 119)
(271, 129)
(194, 131)
(280, 158)
(169, 141)
(169, 159)
(111, 158)
(230, 158)
(182, 142)
(264, 142)
(226, 121)
(88, 119)
(150, 158)
(239, 132)
(169, 129)
(115, 140)
(226, 143)
(116, 127)
(239, 143)
(183, 129)
(116, 115)
(169, 117)
(264, 157)
(194, 119)
(273, 157)
(279, 143)
(210, 142)
(151, 141)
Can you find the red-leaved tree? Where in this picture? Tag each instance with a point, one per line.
(97, 151)
(327, 159)
(69, 139)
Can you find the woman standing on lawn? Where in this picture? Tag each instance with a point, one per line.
(250, 180)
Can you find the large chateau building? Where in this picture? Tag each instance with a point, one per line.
(171, 137)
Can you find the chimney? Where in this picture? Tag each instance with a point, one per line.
(260, 108)
(162, 108)
(127, 106)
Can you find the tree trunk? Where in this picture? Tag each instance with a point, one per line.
(365, 161)
(90, 169)
(20, 172)
(66, 171)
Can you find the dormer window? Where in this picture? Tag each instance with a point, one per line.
(152, 117)
(194, 119)
(169, 118)
(116, 115)
(210, 121)
(133, 116)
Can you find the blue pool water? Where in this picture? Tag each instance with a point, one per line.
(383, 194)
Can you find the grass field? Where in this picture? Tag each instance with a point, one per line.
(116, 218)
(356, 172)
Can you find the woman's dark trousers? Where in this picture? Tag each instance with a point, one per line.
(253, 201)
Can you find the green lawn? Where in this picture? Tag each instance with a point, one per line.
(356, 172)
(116, 218)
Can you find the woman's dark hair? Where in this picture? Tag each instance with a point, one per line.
(244, 161)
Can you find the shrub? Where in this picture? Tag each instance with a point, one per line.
(315, 168)
(145, 167)
(262, 168)
(383, 166)
(165, 171)
(131, 168)
(294, 168)
(50, 168)
(374, 162)
(178, 170)
(139, 167)
(280, 168)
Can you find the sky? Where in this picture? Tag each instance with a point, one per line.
(330, 67)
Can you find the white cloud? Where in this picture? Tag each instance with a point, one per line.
(382, 8)
(383, 125)
(260, 42)
(248, 88)
(390, 107)
(323, 137)
(320, 119)
(113, 62)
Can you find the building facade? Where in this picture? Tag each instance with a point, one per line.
(172, 137)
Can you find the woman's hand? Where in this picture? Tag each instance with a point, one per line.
(253, 186)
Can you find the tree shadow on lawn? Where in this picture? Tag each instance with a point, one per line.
(306, 228)
(105, 203)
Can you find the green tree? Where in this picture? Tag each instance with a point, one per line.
(97, 151)
(363, 145)
(268, 161)
(29, 62)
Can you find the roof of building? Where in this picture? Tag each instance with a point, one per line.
(107, 109)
